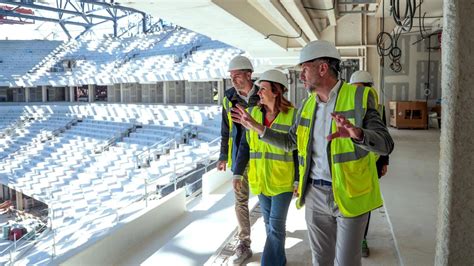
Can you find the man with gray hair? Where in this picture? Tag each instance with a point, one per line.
(243, 93)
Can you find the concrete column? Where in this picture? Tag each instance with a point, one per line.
(27, 94)
(455, 239)
(1, 192)
(66, 93)
(121, 93)
(44, 94)
(165, 91)
(220, 91)
(293, 79)
(19, 201)
(91, 92)
(71, 93)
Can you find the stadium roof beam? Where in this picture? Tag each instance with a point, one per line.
(53, 9)
(301, 17)
(116, 7)
(81, 11)
(11, 13)
(275, 11)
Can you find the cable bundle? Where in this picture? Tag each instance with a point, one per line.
(405, 25)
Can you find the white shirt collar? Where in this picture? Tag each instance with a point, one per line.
(250, 93)
(333, 93)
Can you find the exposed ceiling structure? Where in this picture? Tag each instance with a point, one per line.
(272, 30)
(84, 14)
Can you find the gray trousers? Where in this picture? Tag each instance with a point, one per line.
(334, 239)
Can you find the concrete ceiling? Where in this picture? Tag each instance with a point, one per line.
(270, 31)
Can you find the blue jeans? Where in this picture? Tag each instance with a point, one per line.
(275, 210)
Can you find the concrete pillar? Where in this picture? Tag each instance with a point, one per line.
(455, 238)
(44, 94)
(91, 92)
(27, 94)
(292, 80)
(66, 93)
(220, 91)
(121, 93)
(71, 93)
(1, 192)
(19, 201)
(166, 89)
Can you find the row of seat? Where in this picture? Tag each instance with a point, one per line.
(153, 57)
(86, 189)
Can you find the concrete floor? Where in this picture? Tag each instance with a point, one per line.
(401, 233)
(410, 190)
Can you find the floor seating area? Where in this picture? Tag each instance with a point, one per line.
(81, 160)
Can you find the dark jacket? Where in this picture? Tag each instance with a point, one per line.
(237, 130)
(383, 159)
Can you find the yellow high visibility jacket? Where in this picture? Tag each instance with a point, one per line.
(227, 104)
(354, 174)
(271, 170)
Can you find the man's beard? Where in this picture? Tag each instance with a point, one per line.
(310, 88)
(239, 87)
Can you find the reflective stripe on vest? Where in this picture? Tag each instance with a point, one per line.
(354, 174)
(272, 156)
(358, 113)
(271, 170)
(304, 122)
(303, 142)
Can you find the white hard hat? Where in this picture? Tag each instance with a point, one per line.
(361, 77)
(240, 63)
(274, 75)
(318, 49)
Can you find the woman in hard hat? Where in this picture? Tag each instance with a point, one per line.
(271, 171)
(363, 78)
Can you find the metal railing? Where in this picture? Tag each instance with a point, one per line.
(21, 245)
(145, 157)
(177, 179)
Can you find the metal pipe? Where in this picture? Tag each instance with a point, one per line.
(357, 3)
(357, 12)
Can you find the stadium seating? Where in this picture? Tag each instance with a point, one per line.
(83, 163)
(171, 54)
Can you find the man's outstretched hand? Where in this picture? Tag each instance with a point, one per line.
(345, 129)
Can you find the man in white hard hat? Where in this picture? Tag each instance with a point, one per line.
(337, 133)
(244, 93)
(363, 78)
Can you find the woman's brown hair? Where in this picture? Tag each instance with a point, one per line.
(281, 103)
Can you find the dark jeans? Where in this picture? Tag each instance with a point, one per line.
(275, 210)
(367, 227)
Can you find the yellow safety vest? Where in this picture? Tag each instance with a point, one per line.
(271, 170)
(355, 182)
(227, 104)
